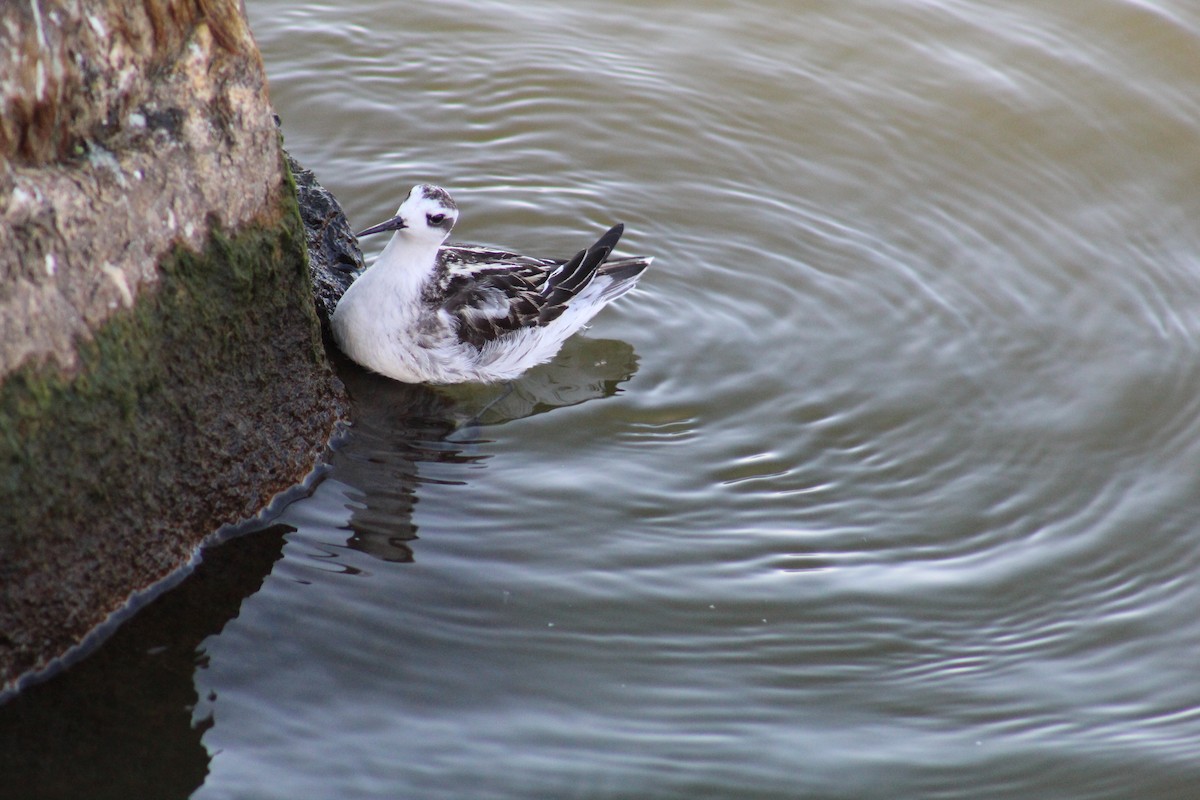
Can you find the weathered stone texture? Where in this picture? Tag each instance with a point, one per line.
(125, 128)
(334, 258)
(161, 368)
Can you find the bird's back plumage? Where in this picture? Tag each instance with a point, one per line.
(493, 293)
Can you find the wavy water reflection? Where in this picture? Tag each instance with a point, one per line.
(898, 497)
(900, 501)
(398, 427)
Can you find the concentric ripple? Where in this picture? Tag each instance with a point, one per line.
(889, 485)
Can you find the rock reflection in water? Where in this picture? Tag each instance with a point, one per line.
(119, 724)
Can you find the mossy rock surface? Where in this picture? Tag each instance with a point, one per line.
(187, 411)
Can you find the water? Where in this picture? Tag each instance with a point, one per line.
(884, 483)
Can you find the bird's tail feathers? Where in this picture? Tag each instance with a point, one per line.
(569, 279)
(624, 274)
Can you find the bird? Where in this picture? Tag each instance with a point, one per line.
(429, 312)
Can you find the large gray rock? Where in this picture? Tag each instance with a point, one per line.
(126, 130)
(161, 365)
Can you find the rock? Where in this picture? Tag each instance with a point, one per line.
(125, 131)
(334, 258)
(161, 366)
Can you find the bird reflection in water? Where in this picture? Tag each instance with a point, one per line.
(398, 426)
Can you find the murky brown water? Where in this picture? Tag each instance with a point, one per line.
(885, 483)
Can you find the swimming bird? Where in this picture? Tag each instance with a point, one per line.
(425, 312)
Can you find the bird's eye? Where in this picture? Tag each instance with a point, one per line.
(435, 219)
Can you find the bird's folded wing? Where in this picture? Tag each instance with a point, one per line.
(487, 305)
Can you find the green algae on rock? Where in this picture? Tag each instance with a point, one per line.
(185, 412)
(161, 365)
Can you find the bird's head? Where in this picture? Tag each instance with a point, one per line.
(426, 216)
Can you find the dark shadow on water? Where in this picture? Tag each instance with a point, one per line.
(119, 723)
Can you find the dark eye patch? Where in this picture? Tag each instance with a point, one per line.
(435, 219)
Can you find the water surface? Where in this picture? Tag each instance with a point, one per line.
(884, 483)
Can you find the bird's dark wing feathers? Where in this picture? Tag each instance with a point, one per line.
(569, 279)
(490, 304)
(518, 291)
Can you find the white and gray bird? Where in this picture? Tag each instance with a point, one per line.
(432, 313)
